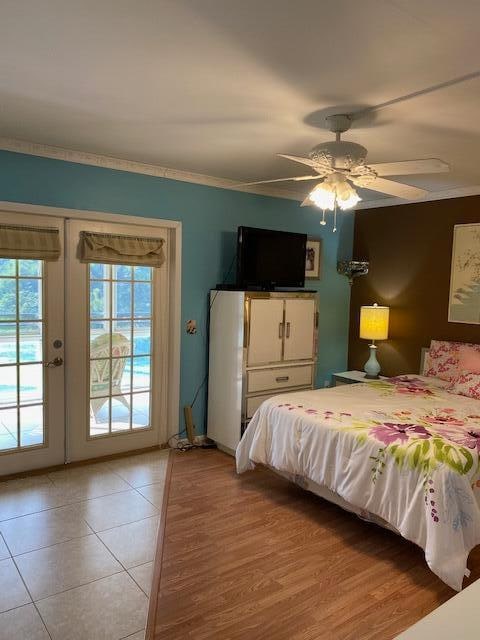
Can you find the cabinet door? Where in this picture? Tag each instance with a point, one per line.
(266, 331)
(299, 329)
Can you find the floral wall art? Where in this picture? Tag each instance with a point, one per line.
(464, 304)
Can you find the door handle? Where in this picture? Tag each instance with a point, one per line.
(51, 364)
(288, 330)
(280, 330)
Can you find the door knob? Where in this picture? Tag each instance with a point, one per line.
(56, 362)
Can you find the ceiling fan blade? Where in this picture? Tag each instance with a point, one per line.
(311, 163)
(410, 167)
(295, 179)
(307, 202)
(397, 189)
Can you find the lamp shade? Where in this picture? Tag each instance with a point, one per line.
(374, 322)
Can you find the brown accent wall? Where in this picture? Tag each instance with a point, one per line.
(409, 248)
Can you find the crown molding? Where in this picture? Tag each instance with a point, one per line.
(131, 166)
(458, 192)
(119, 164)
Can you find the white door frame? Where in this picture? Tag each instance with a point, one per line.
(174, 228)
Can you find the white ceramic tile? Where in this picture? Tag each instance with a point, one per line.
(82, 483)
(143, 469)
(22, 623)
(107, 609)
(28, 495)
(133, 544)
(143, 576)
(117, 509)
(66, 565)
(4, 553)
(44, 529)
(12, 590)
(153, 493)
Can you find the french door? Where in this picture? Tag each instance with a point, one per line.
(32, 352)
(83, 354)
(116, 325)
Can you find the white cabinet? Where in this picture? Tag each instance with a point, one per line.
(261, 344)
(299, 329)
(266, 331)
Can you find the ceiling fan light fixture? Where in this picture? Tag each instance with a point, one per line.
(349, 201)
(334, 190)
(323, 196)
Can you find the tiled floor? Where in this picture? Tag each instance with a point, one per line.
(76, 550)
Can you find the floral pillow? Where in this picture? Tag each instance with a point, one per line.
(466, 384)
(442, 358)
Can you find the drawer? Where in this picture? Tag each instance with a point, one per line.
(281, 378)
(254, 402)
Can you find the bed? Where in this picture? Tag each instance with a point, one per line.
(402, 452)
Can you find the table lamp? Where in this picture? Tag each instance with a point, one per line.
(373, 326)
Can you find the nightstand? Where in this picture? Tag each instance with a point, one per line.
(351, 377)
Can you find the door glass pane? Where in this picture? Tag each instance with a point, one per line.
(122, 299)
(99, 377)
(141, 373)
(142, 273)
(30, 299)
(8, 342)
(99, 299)
(31, 383)
(100, 339)
(30, 268)
(99, 271)
(121, 413)
(31, 425)
(119, 379)
(140, 410)
(141, 338)
(7, 267)
(8, 386)
(142, 303)
(99, 416)
(21, 354)
(8, 299)
(8, 428)
(122, 272)
(31, 342)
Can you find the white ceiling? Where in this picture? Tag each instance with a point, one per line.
(218, 87)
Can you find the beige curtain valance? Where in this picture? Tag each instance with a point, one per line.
(33, 243)
(116, 249)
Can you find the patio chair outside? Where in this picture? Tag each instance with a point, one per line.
(99, 369)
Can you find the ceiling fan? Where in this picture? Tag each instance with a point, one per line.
(340, 164)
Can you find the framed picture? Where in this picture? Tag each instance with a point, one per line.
(313, 258)
(464, 303)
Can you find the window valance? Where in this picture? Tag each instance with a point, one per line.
(31, 243)
(118, 249)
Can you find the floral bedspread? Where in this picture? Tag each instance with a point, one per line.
(403, 449)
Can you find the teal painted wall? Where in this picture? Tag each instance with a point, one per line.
(209, 217)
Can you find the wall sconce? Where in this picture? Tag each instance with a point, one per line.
(352, 269)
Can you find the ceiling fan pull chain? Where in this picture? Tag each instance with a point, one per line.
(335, 217)
(322, 221)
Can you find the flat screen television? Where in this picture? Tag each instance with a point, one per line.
(270, 259)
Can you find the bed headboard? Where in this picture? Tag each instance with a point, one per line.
(423, 353)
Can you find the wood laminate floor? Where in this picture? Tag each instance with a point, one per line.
(254, 557)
